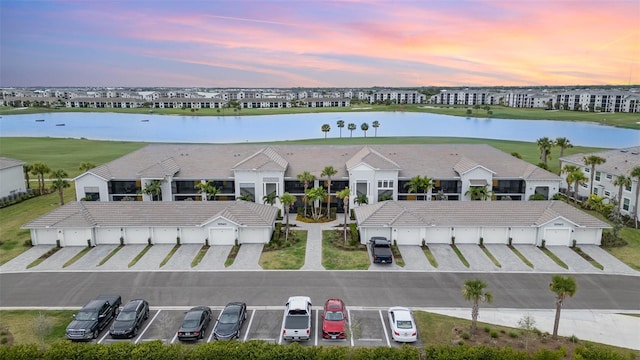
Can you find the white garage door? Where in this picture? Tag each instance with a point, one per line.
(192, 236)
(254, 236)
(76, 237)
(221, 236)
(408, 236)
(46, 237)
(495, 236)
(557, 237)
(587, 236)
(368, 233)
(467, 235)
(525, 236)
(438, 235)
(107, 236)
(136, 235)
(163, 235)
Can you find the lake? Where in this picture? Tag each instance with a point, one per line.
(233, 129)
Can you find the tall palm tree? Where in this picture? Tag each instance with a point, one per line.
(592, 161)
(60, 183)
(351, 127)
(364, 127)
(577, 178)
(153, 189)
(635, 173)
(568, 169)
(27, 168)
(85, 166)
(344, 195)
(562, 143)
(479, 192)
(316, 194)
(427, 184)
(40, 169)
(563, 287)
(376, 125)
(306, 178)
(287, 200)
(325, 129)
(545, 145)
(328, 171)
(621, 182)
(340, 125)
(474, 291)
(208, 190)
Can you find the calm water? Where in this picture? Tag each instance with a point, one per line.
(217, 129)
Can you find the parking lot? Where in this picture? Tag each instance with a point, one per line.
(366, 328)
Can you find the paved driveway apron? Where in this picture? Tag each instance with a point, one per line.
(121, 260)
(478, 260)
(446, 258)
(57, 260)
(91, 259)
(214, 258)
(182, 258)
(153, 257)
(540, 261)
(414, 258)
(608, 261)
(506, 258)
(572, 259)
(248, 257)
(21, 261)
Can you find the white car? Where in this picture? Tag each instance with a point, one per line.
(403, 327)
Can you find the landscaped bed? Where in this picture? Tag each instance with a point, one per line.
(336, 255)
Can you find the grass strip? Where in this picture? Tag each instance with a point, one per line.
(553, 257)
(140, 255)
(110, 255)
(432, 259)
(338, 256)
(169, 255)
(200, 255)
(586, 256)
(77, 256)
(490, 256)
(519, 254)
(460, 256)
(232, 256)
(43, 257)
(288, 258)
(397, 255)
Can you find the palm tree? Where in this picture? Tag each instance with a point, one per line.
(562, 143)
(577, 178)
(340, 125)
(635, 173)
(316, 194)
(544, 144)
(40, 169)
(419, 183)
(208, 190)
(153, 189)
(478, 192)
(563, 287)
(568, 169)
(328, 171)
(287, 200)
(85, 166)
(351, 127)
(344, 195)
(60, 183)
(325, 129)
(621, 182)
(306, 178)
(27, 168)
(592, 161)
(376, 125)
(270, 198)
(364, 127)
(474, 291)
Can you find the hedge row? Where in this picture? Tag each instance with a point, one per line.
(259, 350)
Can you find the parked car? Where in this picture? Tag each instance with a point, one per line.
(130, 319)
(403, 327)
(334, 319)
(297, 320)
(381, 250)
(93, 317)
(230, 321)
(195, 323)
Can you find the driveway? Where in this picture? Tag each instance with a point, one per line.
(57, 260)
(574, 261)
(608, 261)
(478, 260)
(21, 261)
(214, 258)
(121, 260)
(248, 257)
(182, 258)
(447, 258)
(414, 258)
(507, 258)
(541, 262)
(91, 259)
(153, 257)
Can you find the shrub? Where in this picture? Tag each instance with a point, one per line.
(355, 236)
(465, 335)
(513, 335)
(494, 335)
(487, 329)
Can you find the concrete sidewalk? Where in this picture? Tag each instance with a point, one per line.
(601, 326)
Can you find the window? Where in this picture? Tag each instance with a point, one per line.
(627, 188)
(270, 188)
(598, 175)
(587, 170)
(385, 184)
(609, 176)
(625, 204)
(595, 191)
(607, 193)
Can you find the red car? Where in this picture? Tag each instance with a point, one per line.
(334, 318)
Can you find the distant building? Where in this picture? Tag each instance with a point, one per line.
(12, 181)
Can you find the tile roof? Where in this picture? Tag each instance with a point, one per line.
(471, 213)
(139, 213)
(8, 162)
(619, 161)
(372, 158)
(265, 159)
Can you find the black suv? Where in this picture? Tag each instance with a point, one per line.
(130, 319)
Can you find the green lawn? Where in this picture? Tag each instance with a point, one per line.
(20, 324)
(289, 258)
(336, 258)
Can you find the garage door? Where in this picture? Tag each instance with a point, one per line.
(441, 235)
(46, 236)
(165, 235)
(526, 236)
(557, 237)
(107, 236)
(221, 236)
(467, 235)
(192, 236)
(136, 235)
(76, 237)
(408, 236)
(495, 236)
(254, 236)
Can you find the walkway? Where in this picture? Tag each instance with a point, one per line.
(313, 253)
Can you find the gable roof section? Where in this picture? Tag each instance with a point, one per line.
(154, 214)
(161, 169)
(6, 163)
(265, 159)
(464, 165)
(372, 158)
(619, 161)
(471, 213)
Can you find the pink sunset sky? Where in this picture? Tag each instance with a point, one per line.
(307, 43)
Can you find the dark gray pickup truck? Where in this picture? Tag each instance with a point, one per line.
(93, 317)
(381, 250)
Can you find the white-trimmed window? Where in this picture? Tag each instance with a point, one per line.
(609, 176)
(595, 191)
(626, 203)
(587, 170)
(607, 193)
(385, 184)
(627, 188)
(598, 174)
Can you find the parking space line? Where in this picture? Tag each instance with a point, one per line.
(253, 312)
(384, 327)
(146, 327)
(284, 316)
(174, 338)
(316, 330)
(213, 327)
(350, 330)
